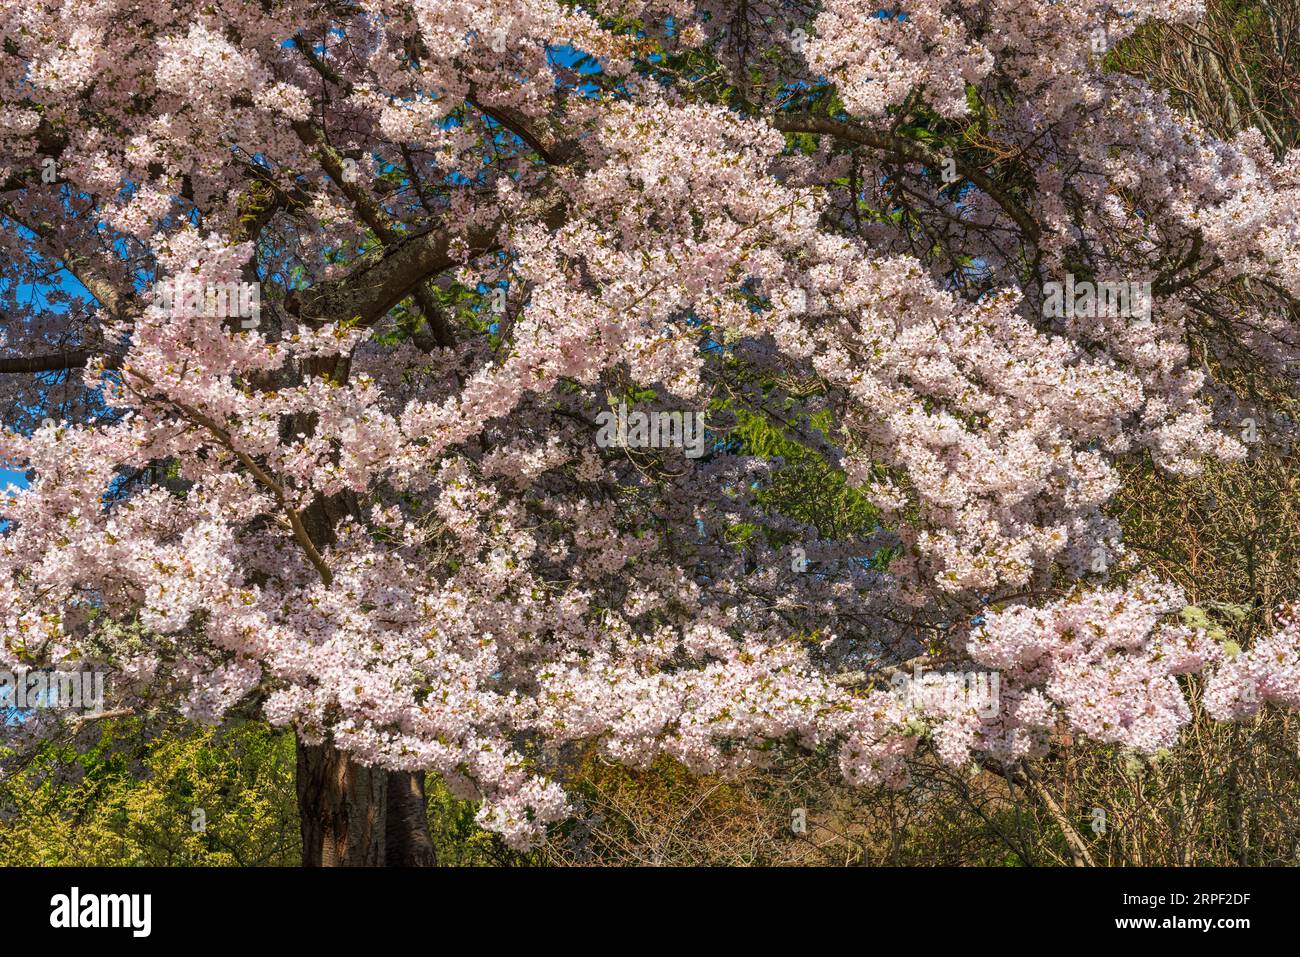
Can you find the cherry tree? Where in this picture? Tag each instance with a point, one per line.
(309, 409)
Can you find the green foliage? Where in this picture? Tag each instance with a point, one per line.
(805, 487)
(131, 800)
(457, 839)
(188, 796)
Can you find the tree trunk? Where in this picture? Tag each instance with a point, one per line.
(407, 832)
(342, 808)
(351, 815)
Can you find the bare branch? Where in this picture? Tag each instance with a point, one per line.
(57, 362)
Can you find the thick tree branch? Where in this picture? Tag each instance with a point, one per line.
(57, 362)
(377, 285)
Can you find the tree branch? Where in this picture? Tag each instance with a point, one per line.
(909, 150)
(58, 362)
(369, 291)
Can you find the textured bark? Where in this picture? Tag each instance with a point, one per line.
(342, 809)
(408, 843)
(356, 816)
(57, 362)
